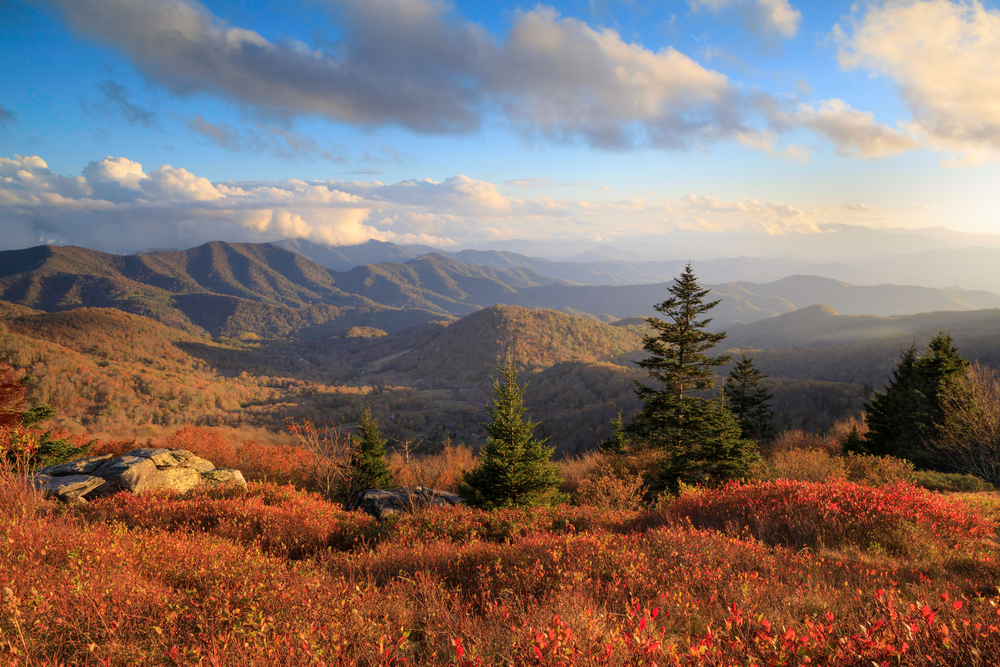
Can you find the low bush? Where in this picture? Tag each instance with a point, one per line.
(799, 439)
(876, 470)
(899, 519)
(280, 519)
(800, 465)
(442, 470)
(618, 481)
(949, 482)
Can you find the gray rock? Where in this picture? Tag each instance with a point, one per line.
(123, 473)
(381, 503)
(173, 479)
(67, 488)
(140, 470)
(173, 458)
(79, 467)
(221, 476)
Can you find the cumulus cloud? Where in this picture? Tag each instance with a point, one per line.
(117, 205)
(566, 80)
(853, 133)
(416, 64)
(764, 17)
(943, 56)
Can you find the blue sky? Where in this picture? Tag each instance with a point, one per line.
(456, 123)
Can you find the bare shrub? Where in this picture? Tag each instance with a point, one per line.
(618, 481)
(799, 439)
(442, 470)
(327, 467)
(575, 468)
(877, 470)
(841, 430)
(969, 440)
(800, 465)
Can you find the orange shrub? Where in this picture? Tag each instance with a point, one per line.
(442, 471)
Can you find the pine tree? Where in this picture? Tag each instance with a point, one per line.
(750, 402)
(368, 467)
(619, 441)
(700, 436)
(903, 419)
(514, 468)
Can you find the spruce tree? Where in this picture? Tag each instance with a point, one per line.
(750, 402)
(619, 441)
(368, 467)
(699, 435)
(903, 419)
(514, 467)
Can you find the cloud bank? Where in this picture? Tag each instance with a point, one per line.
(116, 205)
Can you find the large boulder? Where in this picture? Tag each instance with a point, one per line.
(140, 470)
(381, 503)
(66, 488)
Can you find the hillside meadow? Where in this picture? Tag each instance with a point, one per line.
(768, 572)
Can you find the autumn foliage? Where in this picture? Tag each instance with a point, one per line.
(273, 576)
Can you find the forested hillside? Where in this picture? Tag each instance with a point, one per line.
(224, 289)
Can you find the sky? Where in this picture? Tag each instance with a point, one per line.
(135, 124)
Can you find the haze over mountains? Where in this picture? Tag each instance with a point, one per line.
(263, 289)
(934, 257)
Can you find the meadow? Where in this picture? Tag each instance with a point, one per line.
(767, 572)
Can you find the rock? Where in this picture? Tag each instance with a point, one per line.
(174, 479)
(381, 503)
(173, 458)
(140, 470)
(221, 476)
(67, 488)
(123, 473)
(78, 467)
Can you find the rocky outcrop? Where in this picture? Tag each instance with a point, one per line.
(381, 503)
(138, 471)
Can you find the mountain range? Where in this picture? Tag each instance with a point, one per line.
(232, 289)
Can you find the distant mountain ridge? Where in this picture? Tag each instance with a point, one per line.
(912, 260)
(232, 289)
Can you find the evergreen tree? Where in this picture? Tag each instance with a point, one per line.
(619, 441)
(903, 419)
(514, 468)
(750, 402)
(368, 467)
(22, 426)
(700, 436)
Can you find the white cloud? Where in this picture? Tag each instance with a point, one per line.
(944, 56)
(562, 78)
(760, 16)
(118, 206)
(853, 133)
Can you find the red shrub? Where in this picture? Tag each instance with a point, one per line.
(901, 518)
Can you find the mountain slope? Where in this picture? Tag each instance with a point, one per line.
(228, 289)
(468, 350)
